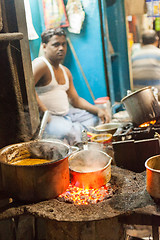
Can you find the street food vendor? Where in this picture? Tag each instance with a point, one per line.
(55, 92)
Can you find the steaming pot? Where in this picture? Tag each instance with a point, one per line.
(142, 106)
(90, 168)
(35, 182)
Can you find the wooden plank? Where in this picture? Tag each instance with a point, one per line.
(140, 219)
(27, 67)
(155, 233)
(19, 111)
(11, 36)
(1, 21)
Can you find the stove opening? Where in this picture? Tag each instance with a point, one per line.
(147, 124)
(80, 196)
(146, 130)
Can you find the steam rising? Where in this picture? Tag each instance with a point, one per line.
(38, 150)
(49, 151)
(88, 161)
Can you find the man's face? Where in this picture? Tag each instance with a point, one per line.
(56, 48)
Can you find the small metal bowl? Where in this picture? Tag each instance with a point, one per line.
(107, 128)
(102, 138)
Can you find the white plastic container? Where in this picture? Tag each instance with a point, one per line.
(104, 103)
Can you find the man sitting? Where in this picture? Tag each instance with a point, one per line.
(146, 62)
(55, 92)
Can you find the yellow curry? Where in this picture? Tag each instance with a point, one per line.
(30, 161)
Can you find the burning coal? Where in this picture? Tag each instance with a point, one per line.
(80, 196)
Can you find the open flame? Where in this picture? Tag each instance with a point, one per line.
(80, 196)
(146, 124)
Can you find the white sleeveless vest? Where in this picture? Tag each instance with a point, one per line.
(54, 95)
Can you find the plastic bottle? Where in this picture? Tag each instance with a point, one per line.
(104, 103)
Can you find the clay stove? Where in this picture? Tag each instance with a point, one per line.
(54, 219)
(103, 221)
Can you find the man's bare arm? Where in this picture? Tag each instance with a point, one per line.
(81, 103)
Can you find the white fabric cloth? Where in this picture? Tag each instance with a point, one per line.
(54, 95)
(32, 35)
(76, 16)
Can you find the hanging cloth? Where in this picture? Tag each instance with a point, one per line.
(76, 15)
(135, 7)
(54, 14)
(30, 28)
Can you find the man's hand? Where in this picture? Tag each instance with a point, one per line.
(104, 115)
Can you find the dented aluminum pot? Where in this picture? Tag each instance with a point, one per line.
(142, 106)
(90, 168)
(35, 182)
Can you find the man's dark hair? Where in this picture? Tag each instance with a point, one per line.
(149, 37)
(47, 34)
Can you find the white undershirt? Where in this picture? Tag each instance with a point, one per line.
(54, 95)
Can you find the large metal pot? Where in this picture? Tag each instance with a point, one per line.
(90, 168)
(35, 182)
(153, 176)
(142, 106)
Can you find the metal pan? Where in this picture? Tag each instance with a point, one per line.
(90, 169)
(106, 128)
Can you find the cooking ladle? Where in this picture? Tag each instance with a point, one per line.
(36, 152)
(43, 124)
(85, 139)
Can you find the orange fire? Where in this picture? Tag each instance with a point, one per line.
(146, 124)
(80, 196)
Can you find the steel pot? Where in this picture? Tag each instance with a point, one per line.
(35, 182)
(153, 176)
(90, 145)
(142, 106)
(90, 168)
(106, 128)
